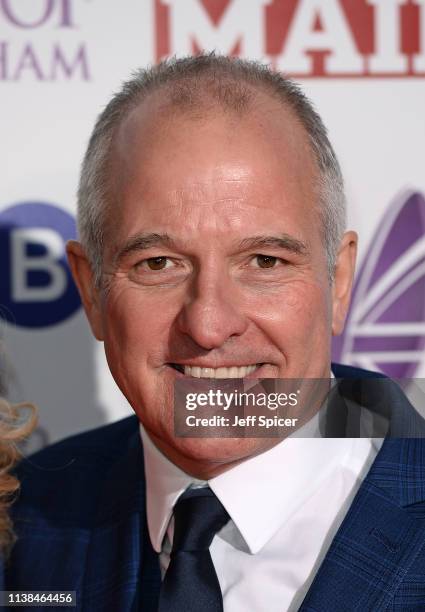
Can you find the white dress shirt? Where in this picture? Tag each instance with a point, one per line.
(285, 507)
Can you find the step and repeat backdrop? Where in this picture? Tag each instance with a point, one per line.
(362, 62)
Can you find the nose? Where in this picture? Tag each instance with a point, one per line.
(212, 311)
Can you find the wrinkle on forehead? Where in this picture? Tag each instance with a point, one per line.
(218, 189)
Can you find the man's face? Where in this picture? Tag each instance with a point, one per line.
(215, 265)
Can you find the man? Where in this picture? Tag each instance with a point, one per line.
(211, 216)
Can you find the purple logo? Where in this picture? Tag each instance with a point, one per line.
(385, 328)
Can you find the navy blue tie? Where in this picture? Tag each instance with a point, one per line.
(190, 582)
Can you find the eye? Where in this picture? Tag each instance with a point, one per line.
(266, 261)
(163, 270)
(157, 263)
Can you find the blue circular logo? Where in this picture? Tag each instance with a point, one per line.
(36, 287)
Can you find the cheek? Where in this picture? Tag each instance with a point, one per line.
(296, 315)
(296, 301)
(135, 342)
(135, 324)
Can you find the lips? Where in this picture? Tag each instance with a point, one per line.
(237, 371)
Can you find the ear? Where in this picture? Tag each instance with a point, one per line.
(84, 279)
(343, 280)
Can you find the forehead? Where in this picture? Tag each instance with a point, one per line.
(168, 163)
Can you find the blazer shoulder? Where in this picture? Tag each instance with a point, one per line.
(63, 480)
(108, 440)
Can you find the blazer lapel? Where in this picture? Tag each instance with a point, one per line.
(379, 539)
(122, 570)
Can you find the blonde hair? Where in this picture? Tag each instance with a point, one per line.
(16, 423)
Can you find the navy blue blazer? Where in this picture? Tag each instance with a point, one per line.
(81, 524)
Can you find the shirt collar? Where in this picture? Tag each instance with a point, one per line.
(263, 492)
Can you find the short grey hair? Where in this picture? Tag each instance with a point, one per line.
(193, 84)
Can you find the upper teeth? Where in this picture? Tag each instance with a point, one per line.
(233, 372)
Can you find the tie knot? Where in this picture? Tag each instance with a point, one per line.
(198, 516)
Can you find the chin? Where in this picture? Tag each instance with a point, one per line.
(215, 455)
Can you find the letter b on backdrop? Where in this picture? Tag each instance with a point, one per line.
(36, 288)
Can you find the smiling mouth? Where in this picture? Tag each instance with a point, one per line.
(221, 372)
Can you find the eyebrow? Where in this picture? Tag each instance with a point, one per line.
(141, 242)
(284, 241)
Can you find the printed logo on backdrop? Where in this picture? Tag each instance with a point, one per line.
(59, 55)
(385, 329)
(304, 38)
(36, 288)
